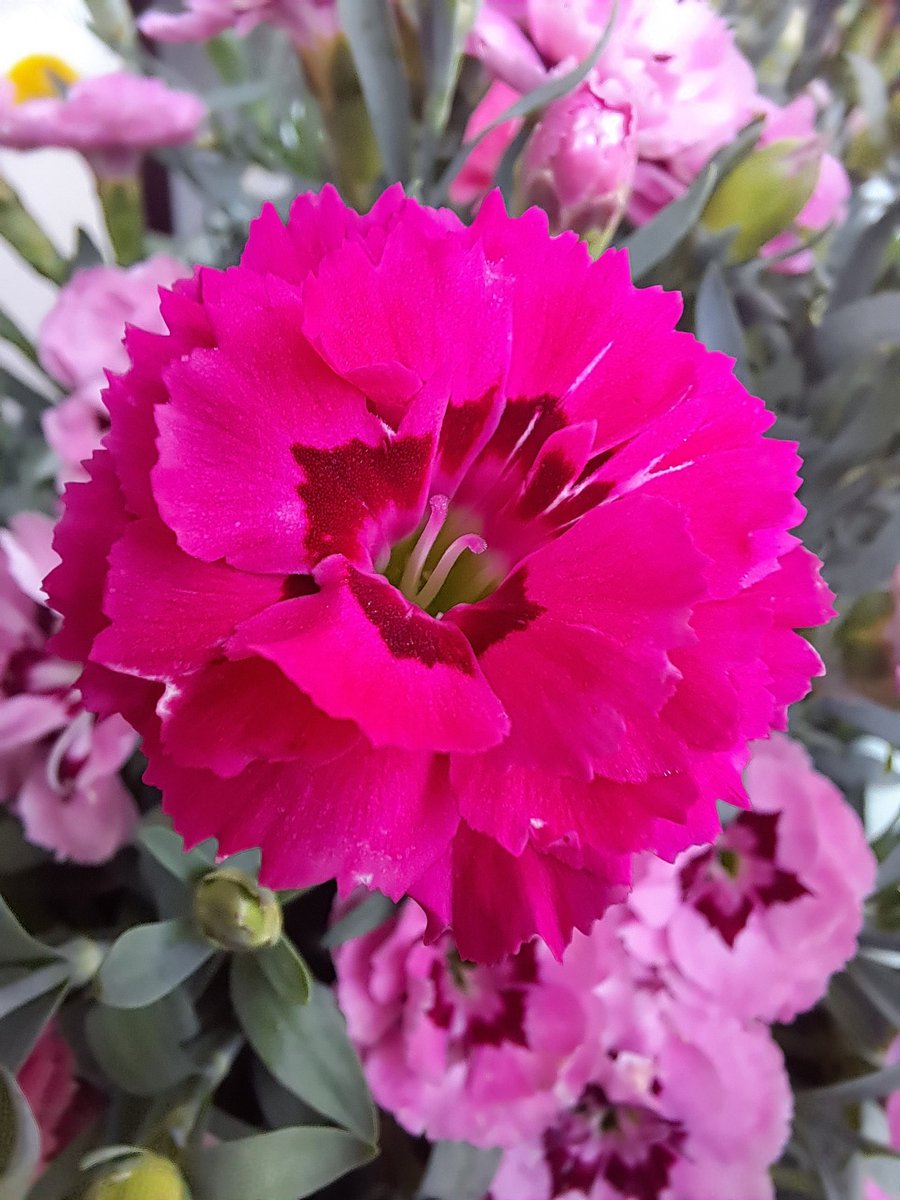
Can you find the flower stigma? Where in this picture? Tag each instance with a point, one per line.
(433, 563)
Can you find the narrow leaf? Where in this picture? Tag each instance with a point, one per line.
(458, 1171)
(654, 241)
(140, 1048)
(362, 918)
(717, 322)
(286, 971)
(304, 1046)
(17, 946)
(19, 1030)
(369, 27)
(167, 847)
(859, 328)
(149, 961)
(20, 1140)
(865, 1087)
(28, 985)
(285, 1165)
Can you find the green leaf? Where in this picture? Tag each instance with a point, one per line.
(21, 987)
(880, 984)
(444, 25)
(531, 102)
(654, 241)
(361, 919)
(86, 254)
(458, 1171)
(17, 946)
(859, 328)
(167, 847)
(286, 971)
(149, 961)
(140, 1049)
(369, 28)
(304, 1046)
(20, 1140)
(21, 1029)
(717, 323)
(11, 333)
(285, 1165)
(865, 1087)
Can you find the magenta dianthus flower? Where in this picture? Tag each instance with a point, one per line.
(434, 559)
(111, 119)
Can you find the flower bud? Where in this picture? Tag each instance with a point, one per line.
(142, 1176)
(234, 912)
(580, 162)
(764, 193)
(868, 642)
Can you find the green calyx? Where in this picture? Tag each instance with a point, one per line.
(142, 1176)
(234, 912)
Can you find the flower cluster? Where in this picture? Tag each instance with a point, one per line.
(637, 1066)
(305, 21)
(319, 492)
(80, 340)
(669, 90)
(111, 119)
(59, 766)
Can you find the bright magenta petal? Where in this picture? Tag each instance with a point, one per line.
(364, 653)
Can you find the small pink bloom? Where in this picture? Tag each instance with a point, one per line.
(828, 203)
(580, 161)
(487, 1055)
(692, 1106)
(762, 920)
(59, 766)
(80, 340)
(480, 168)
(320, 489)
(306, 21)
(60, 1104)
(111, 119)
(675, 61)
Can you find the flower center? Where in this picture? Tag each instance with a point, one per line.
(432, 567)
(39, 77)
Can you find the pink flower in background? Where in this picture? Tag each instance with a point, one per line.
(60, 1104)
(761, 921)
(480, 168)
(828, 203)
(487, 1055)
(111, 119)
(675, 61)
(320, 490)
(580, 162)
(59, 767)
(81, 338)
(306, 21)
(686, 1104)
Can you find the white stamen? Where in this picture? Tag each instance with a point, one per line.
(427, 538)
(446, 563)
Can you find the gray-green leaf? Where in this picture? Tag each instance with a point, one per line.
(304, 1046)
(20, 1140)
(285, 1165)
(149, 961)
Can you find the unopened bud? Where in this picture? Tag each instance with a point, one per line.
(234, 912)
(580, 161)
(764, 193)
(142, 1176)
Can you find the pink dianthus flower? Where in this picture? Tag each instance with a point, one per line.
(433, 558)
(81, 338)
(111, 119)
(675, 61)
(483, 1054)
(761, 920)
(306, 21)
(61, 1106)
(59, 767)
